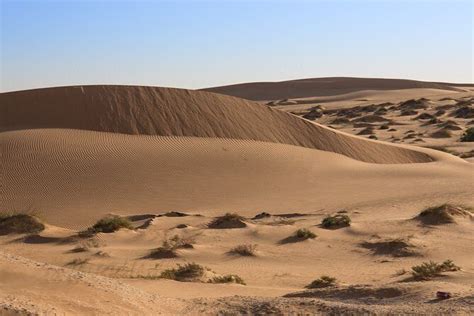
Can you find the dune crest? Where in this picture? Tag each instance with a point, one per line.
(177, 112)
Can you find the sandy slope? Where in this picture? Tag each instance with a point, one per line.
(304, 88)
(74, 177)
(176, 112)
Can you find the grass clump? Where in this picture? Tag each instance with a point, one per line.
(431, 269)
(323, 281)
(78, 262)
(20, 223)
(107, 224)
(169, 247)
(442, 214)
(185, 273)
(244, 250)
(336, 221)
(304, 234)
(468, 135)
(229, 220)
(228, 278)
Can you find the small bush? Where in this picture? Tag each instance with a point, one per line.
(323, 281)
(336, 221)
(169, 247)
(107, 224)
(304, 233)
(186, 272)
(229, 220)
(228, 278)
(18, 223)
(428, 270)
(468, 135)
(244, 250)
(442, 214)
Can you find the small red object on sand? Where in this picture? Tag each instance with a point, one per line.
(443, 295)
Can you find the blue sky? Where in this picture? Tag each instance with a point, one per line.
(194, 44)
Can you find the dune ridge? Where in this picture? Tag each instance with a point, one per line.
(313, 87)
(176, 112)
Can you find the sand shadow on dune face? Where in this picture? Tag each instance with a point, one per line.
(351, 292)
(394, 248)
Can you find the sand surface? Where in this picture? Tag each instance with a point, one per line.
(72, 155)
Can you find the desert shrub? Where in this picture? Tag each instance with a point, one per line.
(229, 220)
(336, 221)
(228, 278)
(441, 214)
(20, 223)
(323, 281)
(186, 272)
(244, 250)
(468, 135)
(304, 233)
(107, 224)
(169, 247)
(428, 270)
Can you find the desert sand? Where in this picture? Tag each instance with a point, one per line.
(72, 155)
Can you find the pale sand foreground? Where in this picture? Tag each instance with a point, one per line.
(73, 177)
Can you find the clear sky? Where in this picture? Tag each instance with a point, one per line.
(194, 44)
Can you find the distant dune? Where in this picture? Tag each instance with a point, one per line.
(304, 88)
(177, 112)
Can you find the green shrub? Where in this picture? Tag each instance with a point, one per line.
(228, 278)
(20, 223)
(468, 135)
(187, 272)
(244, 250)
(336, 221)
(107, 224)
(428, 270)
(304, 233)
(323, 281)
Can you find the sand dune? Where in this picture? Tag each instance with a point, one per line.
(176, 112)
(74, 154)
(75, 177)
(304, 88)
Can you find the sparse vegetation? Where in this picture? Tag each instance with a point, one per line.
(323, 281)
(468, 135)
(244, 250)
(78, 261)
(229, 220)
(187, 272)
(431, 269)
(442, 214)
(170, 246)
(336, 221)
(20, 223)
(304, 234)
(228, 278)
(107, 224)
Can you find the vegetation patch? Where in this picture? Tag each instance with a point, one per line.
(169, 248)
(323, 281)
(18, 223)
(244, 250)
(468, 135)
(78, 262)
(228, 278)
(442, 214)
(185, 273)
(229, 220)
(107, 224)
(431, 269)
(336, 221)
